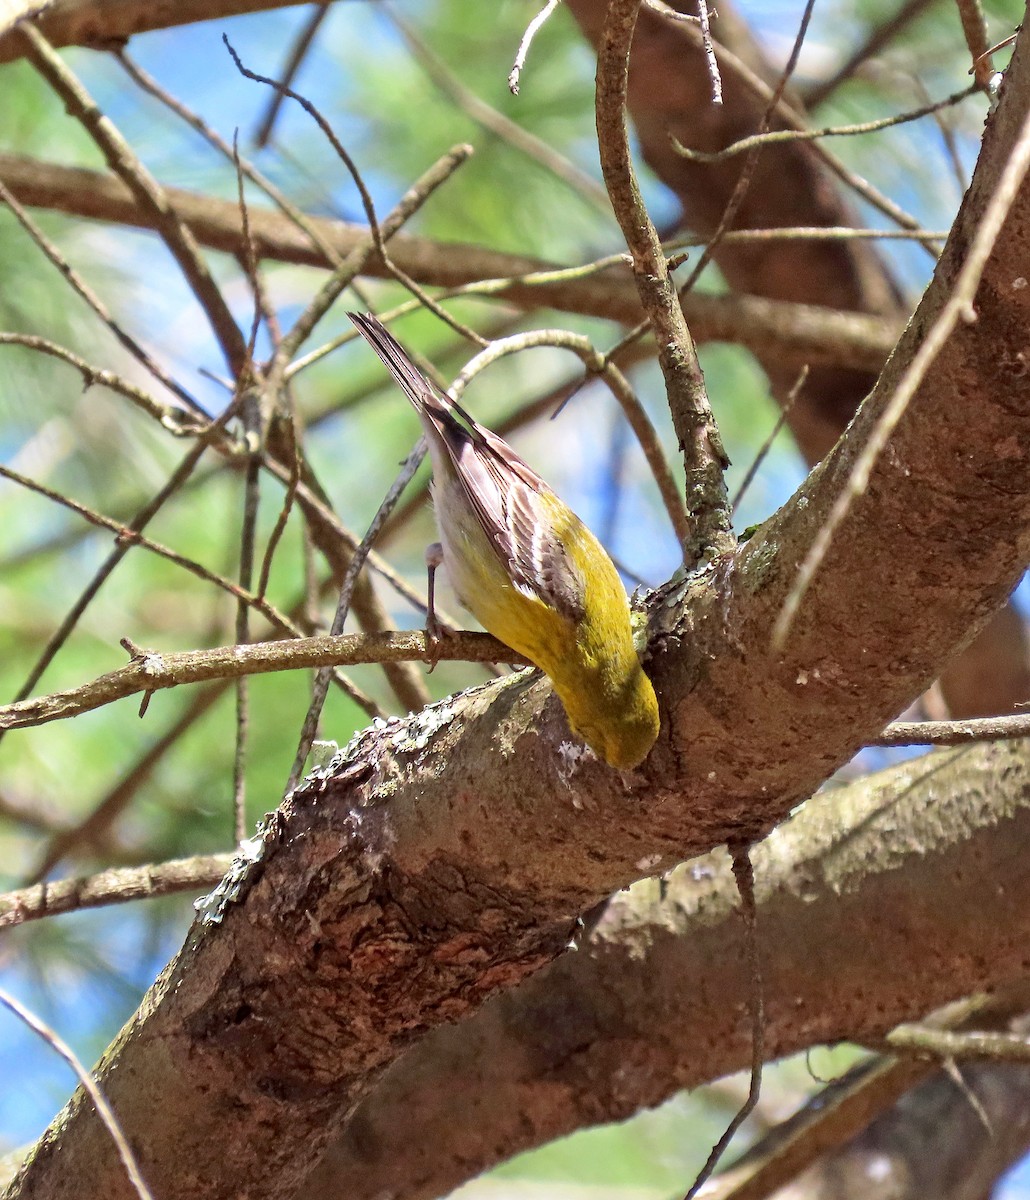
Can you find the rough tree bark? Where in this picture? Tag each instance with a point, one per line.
(659, 1000)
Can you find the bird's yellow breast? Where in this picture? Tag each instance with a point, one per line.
(591, 662)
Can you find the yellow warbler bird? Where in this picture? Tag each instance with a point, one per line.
(527, 567)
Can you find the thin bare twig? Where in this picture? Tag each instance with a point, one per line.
(846, 1106)
(275, 618)
(959, 306)
(695, 424)
(954, 733)
(151, 672)
(256, 407)
(709, 51)
(744, 875)
(248, 535)
(128, 536)
(378, 234)
(90, 829)
(532, 29)
(119, 885)
(135, 526)
(124, 162)
(85, 292)
(178, 421)
(289, 424)
(775, 136)
(303, 222)
(104, 1110)
(948, 1044)
(321, 684)
(760, 457)
(496, 122)
(879, 38)
(795, 120)
(317, 508)
(836, 1114)
(302, 43)
(942, 120)
(354, 263)
(327, 131)
(743, 184)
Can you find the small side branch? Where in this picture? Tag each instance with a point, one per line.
(705, 458)
(149, 672)
(120, 885)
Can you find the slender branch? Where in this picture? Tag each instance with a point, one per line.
(790, 116)
(86, 293)
(767, 445)
(91, 829)
(303, 222)
(355, 262)
(954, 733)
(774, 136)
(151, 672)
(711, 62)
(532, 29)
(138, 523)
(120, 885)
(692, 415)
(958, 307)
(298, 51)
(495, 122)
(835, 1115)
(944, 1043)
(744, 876)
(322, 678)
(178, 421)
(149, 194)
(128, 536)
(104, 1110)
(743, 185)
(878, 39)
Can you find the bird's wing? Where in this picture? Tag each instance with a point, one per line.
(516, 508)
(519, 512)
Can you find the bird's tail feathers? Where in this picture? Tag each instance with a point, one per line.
(427, 398)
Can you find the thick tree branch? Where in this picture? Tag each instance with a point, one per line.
(103, 24)
(799, 333)
(626, 1023)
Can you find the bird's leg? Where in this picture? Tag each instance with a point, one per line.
(435, 631)
(434, 557)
